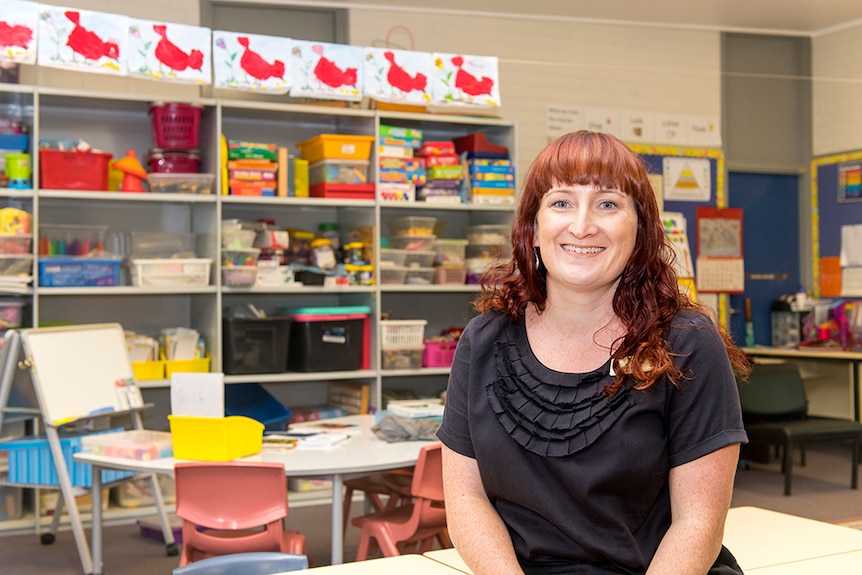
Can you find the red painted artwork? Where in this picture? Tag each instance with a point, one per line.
(256, 66)
(86, 42)
(399, 78)
(328, 73)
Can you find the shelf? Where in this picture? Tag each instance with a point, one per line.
(106, 196)
(125, 290)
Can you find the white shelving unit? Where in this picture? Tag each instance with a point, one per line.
(116, 123)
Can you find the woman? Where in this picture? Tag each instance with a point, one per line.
(592, 420)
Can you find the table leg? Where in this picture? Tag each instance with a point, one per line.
(97, 520)
(337, 519)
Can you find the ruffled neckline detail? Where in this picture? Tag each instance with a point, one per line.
(548, 412)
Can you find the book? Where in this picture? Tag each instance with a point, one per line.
(306, 438)
(282, 174)
(415, 408)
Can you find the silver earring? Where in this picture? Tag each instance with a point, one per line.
(538, 261)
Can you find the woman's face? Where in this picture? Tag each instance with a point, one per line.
(586, 236)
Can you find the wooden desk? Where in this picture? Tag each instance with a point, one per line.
(761, 538)
(832, 378)
(364, 453)
(400, 565)
(840, 564)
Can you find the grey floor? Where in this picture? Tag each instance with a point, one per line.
(821, 491)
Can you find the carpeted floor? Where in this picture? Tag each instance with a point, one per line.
(820, 491)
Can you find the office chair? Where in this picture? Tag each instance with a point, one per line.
(233, 507)
(255, 563)
(416, 523)
(393, 485)
(775, 412)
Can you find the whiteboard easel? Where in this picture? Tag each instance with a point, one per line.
(74, 371)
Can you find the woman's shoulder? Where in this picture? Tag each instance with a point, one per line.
(692, 328)
(487, 324)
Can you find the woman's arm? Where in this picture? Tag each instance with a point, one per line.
(700, 494)
(475, 527)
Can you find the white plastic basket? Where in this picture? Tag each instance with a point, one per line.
(194, 272)
(402, 334)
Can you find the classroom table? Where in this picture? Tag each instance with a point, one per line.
(849, 563)
(764, 542)
(398, 565)
(363, 453)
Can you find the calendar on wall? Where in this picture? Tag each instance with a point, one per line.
(720, 263)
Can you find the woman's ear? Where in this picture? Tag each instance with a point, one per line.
(535, 234)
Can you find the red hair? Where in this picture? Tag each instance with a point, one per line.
(647, 298)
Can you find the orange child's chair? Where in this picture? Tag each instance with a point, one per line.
(418, 522)
(382, 490)
(233, 507)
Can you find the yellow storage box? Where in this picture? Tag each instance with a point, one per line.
(215, 438)
(336, 147)
(147, 370)
(200, 365)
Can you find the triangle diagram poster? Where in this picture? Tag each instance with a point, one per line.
(687, 179)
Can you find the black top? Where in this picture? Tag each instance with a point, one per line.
(581, 478)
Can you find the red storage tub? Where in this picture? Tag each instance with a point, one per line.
(72, 170)
(477, 142)
(180, 161)
(342, 191)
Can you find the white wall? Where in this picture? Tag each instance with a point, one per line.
(541, 61)
(837, 97)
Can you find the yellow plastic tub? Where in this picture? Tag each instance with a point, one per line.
(200, 365)
(215, 438)
(147, 370)
(336, 147)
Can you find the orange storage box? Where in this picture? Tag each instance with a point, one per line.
(336, 147)
(71, 170)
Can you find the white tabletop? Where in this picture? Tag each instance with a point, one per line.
(849, 563)
(400, 565)
(448, 557)
(762, 538)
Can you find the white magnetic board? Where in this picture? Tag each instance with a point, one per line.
(75, 368)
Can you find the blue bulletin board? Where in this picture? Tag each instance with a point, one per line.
(835, 203)
(655, 156)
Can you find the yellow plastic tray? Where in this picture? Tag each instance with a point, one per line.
(215, 438)
(172, 366)
(145, 370)
(336, 147)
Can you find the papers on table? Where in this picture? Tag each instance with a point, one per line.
(317, 435)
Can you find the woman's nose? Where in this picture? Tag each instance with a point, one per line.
(582, 223)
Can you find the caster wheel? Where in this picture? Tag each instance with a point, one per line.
(173, 550)
(47, 538)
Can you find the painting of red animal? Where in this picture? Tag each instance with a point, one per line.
(330, 74)
(470, 84)
(174, 57)
(15, 35)
(256, 66)
(401, 79)
(86, 42)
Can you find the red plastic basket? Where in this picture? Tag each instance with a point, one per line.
(71, 170)
(439, 353)
(175, 125)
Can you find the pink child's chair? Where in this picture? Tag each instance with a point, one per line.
(415, 523)
(233, 507)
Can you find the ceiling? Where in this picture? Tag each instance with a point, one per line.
(787, 17)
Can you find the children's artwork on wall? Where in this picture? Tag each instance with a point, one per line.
(18, 23)
(461, 79)
(399, 76)
(82, 40)
(328, 71)
(170, 52)
(251, 62)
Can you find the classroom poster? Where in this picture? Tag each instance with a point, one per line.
(398, 76)
(850, 181)
(169, 52)
(687, 179)
(463, 79)
(251, 62)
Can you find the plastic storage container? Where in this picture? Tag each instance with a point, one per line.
(450, 251)
(175, 183)
(339, 172)
(70, 240)
(30, 462)
(149, 245)
(16, 265)
(72, 170)
(173, 161)
(255, 345)
(401, 358)
(239, 276)
(419, 276)
(252, 400)
(487, 234)
(413, 243)
(215, 438)
(171, 272)
(336, 147)
(392, 256)
(439, 353)
(420, 258)
(390, 275)
(79, 272)
(175, 124)
(11, 312)
(194, 365)
(402, 334)
(139, 444)
(328, 338)
(15, 244)
(412, 226)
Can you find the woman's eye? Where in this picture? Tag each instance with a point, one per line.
(608, 205)
(560, 204)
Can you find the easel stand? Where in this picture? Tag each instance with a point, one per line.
(73, 371)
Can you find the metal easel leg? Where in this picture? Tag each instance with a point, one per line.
(167, 530)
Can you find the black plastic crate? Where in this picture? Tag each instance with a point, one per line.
(255, 345)
(324, 344)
